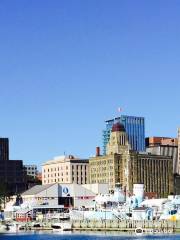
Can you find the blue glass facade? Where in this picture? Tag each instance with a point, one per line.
(135, 129)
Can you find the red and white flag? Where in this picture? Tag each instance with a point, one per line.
(119, 109)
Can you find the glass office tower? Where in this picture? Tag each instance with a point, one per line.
(135, 129)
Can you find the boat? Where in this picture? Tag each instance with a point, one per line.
(13, 227)
(61, 216)
(61, 226)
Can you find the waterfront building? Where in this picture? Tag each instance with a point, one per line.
(12, 175)
(65, 169)
(31, 170)
(65, 194)
(127, 167)
(164, 146)
(179, 150)
(135, 129)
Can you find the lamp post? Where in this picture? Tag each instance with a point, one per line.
(105, 213)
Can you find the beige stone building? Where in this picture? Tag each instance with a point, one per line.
(65, 169)
(126, 167)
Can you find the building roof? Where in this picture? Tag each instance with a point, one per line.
(118, 127)
(37, 189)
(140, 208)
(154, 202)
(47, 206)
(62, 159)
(23, 211)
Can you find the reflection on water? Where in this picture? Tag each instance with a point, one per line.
(85, 236)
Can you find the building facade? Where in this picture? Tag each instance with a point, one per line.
(4, 149)
(127, 167)
(135, 129)
(12, 175)
(64, 194)
(65, 170)
(179, 150)
(31, 170)
(156, 141)
(164, 146)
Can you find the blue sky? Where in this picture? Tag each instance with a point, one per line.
(66, 66)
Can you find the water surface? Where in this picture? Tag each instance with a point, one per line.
(87, 236)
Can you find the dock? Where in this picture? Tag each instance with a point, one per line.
(130, 226)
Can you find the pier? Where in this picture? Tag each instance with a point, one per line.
(154, 226)
(126, 226)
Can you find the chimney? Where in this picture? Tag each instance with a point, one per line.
(97, 151)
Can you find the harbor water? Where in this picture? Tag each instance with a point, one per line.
(88, 236)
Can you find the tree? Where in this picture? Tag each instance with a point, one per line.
(3, 194)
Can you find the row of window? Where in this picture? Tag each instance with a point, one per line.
(102, 174)
(66, 173)
(101, 169)
(78, 179)
(62, 168)
(101, 162)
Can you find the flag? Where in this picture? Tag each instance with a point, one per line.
(119, 109)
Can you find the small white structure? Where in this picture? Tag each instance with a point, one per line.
(142, 213)
(138, 191)
(155, 203)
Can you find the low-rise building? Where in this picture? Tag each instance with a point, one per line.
(31, 170)
(66, 195)
(65, 169)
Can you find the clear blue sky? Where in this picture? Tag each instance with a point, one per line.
(67, 65)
